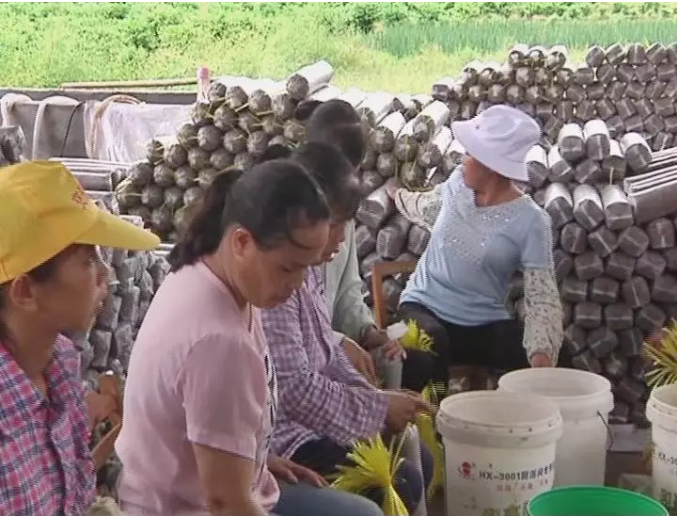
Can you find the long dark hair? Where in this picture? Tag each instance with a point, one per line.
(271, 200)
(334, 122)
(330, 169)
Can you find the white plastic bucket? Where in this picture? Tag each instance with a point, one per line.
(585, 401)
(500, 451)
(661, 411)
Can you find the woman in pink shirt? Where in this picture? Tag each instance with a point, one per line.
(200, 397)
(52, 281)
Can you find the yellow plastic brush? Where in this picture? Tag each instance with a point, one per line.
(663, 357)
(375, 466)
(427, 433)
(416, 338)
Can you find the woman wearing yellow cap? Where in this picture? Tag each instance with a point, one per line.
(51, 281)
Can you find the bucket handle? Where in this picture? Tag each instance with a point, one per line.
(609, 431)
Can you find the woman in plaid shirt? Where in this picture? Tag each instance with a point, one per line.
(324, 402)
(51, 281)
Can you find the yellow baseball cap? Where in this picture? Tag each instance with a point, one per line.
(43, 210)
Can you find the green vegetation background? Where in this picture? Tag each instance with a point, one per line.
(387, 46)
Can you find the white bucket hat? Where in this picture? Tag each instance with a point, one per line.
(500, 138)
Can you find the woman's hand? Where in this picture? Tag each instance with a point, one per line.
(375, 338)
(292, 472)
(361, 360)
(540, 360)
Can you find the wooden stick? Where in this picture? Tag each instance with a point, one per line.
(144, 83)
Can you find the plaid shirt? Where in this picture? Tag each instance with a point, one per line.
(45, 463)
(320, 394)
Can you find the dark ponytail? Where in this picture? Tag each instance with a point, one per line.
(334, 122)
(271, 200)
(204, 232)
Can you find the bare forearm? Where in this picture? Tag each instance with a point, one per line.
(245, 507)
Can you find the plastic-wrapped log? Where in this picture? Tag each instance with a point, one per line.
(586, 110)
(620, 266)
(630, 342)
(556, 58)
(666, 72)
(392, 238)
(467, 110)
(406, 145)
(588, 315)
(309, 79)
(605, 74)
(514, 94)
(560, 170)
(636, 54)
(574, 339)
(602, 340)
(630, 390)
(588, 266)
(431, 154)
(633, 241)
(552, 128)
(375, 209)
(615, 366)
(618, 211)
(574, 290)
(384, 136)
(654, 90)
(635, 90)
(650, 318)
(571, 143)
(595, 56)
(562, 264)
(661, 233)
(650, 265)
(615, 91)
(605, 109)
(664, 288)
(636, 292)
(670, 125)
(476, 93)
(603, 241)
(585, 361)
(100, 341)
(646, 73)
(634, 124)
(595, 91)
(587, 171)
(616, 126)
(625, 108)
(453, 157)
(370, 180)
(636, 151)
(588, 207)
(575, 93)
(653, 124)
(365, 241)
(543, 110)
(662, 141)
(537, 166)
(375, 107)
(565, 75)
(353, 96)
(552, 92)
(441, 88)
(584, 75)
(618, 316)
(417, 240)
(387, 164)
(558, 204)
(670, 257)
(604, 290)
(613, 167)
(670, 93)
(573, 238)
(665, 106)
(597, 138)
(367, 263)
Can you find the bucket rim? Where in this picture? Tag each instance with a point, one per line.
(561, 371)
(588, 488)
(548, 422)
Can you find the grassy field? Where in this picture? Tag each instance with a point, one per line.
(395, 47)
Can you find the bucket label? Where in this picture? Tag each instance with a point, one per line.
(664, 478)
(515, 487)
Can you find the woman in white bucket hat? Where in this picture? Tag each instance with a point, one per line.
(484, 230)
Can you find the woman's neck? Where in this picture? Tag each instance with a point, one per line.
(220, 270)
(499, 194)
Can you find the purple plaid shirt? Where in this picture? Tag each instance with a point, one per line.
(45, 464)
(320, 394)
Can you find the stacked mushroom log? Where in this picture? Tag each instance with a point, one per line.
(134, 278)
(12, 144)
(632, 89)
(613, 209)
(241, 118)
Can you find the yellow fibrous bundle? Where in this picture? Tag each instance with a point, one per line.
(663, 357)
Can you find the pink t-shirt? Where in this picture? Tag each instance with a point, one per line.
(199, 372)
